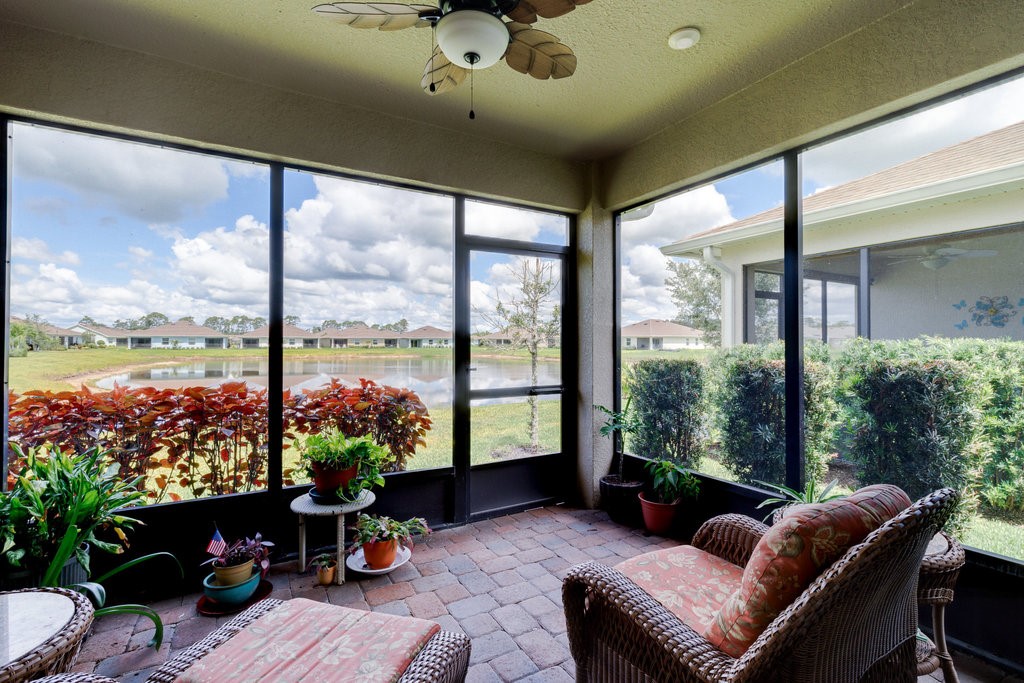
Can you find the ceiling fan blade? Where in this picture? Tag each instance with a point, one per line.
(978, 253)
(385, 16)
(538, 53)
(527, 11)
(442, 73)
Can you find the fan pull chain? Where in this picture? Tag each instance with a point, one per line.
(472, 114)
(433, 50)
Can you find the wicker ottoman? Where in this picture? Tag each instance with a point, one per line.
(444, 658)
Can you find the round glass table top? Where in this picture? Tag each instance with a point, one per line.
(29, 619)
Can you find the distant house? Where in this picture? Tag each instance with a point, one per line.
(660, 335)
(929, 246)
(65, 337)
(178, 335)
(425, 337)
(101, 335)
(358, 335)
(292, 337)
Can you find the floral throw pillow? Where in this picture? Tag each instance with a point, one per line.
(792, 554)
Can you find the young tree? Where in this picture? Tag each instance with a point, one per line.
(696, 288)
(292, 320)
(530, 315)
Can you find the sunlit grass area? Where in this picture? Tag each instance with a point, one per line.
(997, 531)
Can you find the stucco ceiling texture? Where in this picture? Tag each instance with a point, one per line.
(628, 86)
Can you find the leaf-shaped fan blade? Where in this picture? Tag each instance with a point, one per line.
(527, 11)
(442, 73)
(538, 53)
(386, 16)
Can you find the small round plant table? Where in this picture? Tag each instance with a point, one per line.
(940, 568)
(41, 630)
(304, 506)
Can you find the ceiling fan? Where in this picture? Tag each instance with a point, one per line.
(934, 258)
(471, 35)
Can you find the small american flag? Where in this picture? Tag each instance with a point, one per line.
(217, 544)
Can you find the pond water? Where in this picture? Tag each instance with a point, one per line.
(431, 378)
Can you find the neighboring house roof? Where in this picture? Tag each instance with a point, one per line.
(288, 331)
(659, 328)
(177, 329)
(359, 332)
(104, 331)
(426, 332)
(976, 158)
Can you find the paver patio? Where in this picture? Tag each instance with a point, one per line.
(499, 581)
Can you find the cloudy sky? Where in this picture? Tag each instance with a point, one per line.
(644, 268)
(115, 230)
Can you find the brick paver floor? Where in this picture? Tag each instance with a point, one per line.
(499, 581)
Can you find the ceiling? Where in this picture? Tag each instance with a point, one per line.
(628, 86)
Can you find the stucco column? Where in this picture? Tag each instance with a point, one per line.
(595, 262)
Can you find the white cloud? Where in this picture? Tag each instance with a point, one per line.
(35, 249)
(507, 222)
(676, 217)
(140, 253)
(146, 182)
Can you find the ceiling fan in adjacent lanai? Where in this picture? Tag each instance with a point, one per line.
(940, 256)
(471, 34)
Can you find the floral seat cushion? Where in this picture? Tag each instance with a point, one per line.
(690, 583)
(792, 554)
(313, 642)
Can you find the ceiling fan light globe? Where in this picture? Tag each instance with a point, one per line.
(472, 39)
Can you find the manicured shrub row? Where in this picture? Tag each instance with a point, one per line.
(207, 440)
(668, 399)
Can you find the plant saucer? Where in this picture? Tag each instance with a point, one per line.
(357, 563)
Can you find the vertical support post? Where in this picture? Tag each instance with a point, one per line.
(275, 362)
(793, 309)
(5, 282)
(460, 408)
(864, 295)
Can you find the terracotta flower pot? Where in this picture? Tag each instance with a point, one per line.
(235, 574)
(380, 554)
(658, 517)
(325, 575)
(327, 480)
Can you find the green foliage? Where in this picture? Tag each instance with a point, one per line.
(670, 482)
(253, 549)
(915, 426)
(668, 395)
(370, 528)
(751, 412)
(59, 503)
(617, 426)
(812, 493)
(334, 450)
(322, 561)
(696, 289)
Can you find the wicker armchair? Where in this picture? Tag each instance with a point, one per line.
(856, 622)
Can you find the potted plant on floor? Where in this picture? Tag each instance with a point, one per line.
(238, 568)
(618, 496)
(788, 497)
(379, 537)
(670, 483)
(326, 568)
(342, 467)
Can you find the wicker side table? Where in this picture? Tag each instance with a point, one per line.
(940, 568)
(304, 505)
(41, 631)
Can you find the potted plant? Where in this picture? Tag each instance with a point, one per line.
(326, 568)
(670, 483)
(618, 496)
(380, 536)
(788, 497)
(236, 562)
(341, 466)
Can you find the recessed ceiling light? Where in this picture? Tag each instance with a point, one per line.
(684, 38)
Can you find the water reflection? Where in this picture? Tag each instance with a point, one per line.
(431, 378)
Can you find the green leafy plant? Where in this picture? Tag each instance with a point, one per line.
(244, 550)
(669, 398)
(370, 528)
(334, 450)
(670, 482)
(812, 493)
(321, 562)
(617, 425)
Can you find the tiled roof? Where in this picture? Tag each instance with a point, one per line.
(287, 331)
(426, 332)
(658, 328)
(177, 329)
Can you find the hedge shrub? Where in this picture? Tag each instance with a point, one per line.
(751, 414)
(668, 400)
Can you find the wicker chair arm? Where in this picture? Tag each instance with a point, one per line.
(639, 628)
(75, 678)
(731, 537)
